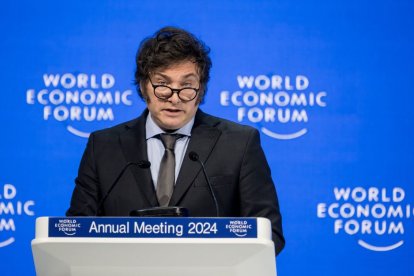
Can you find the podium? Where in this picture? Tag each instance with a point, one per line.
(81, 246)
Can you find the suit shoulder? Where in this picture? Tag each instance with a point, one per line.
(116, 130)
(227, 125)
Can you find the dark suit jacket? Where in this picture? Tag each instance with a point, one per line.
(234, 161)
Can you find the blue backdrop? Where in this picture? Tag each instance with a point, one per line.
(328, 84)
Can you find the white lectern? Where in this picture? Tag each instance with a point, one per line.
(153, 246)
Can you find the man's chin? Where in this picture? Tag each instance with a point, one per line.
(171, 126)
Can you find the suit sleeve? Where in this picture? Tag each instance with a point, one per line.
(85, 195)
(258, 197)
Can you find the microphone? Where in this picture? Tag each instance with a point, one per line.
(143, 164)
(194, 157)
(168, 211)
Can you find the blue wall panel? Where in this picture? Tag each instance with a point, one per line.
(345, 126)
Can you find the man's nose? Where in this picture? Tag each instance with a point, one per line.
(174, 98)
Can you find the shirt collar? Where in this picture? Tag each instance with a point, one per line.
(152, 129)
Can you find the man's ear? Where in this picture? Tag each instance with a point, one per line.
(200, 97)
(143, 92)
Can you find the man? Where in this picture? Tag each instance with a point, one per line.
(171, 77)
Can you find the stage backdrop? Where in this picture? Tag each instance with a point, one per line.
(327, 83)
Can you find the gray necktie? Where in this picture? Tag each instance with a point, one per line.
(166, 175)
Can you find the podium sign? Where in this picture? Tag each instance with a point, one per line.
(153, 246)
(153, 227)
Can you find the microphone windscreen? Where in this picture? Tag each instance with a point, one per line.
(143, 164)
(193, 156)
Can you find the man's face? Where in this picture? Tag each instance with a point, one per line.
(172, 114)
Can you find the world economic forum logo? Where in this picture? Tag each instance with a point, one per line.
(11, 208)
(376, 216)
(240, 228)
(279, 105)
(68, 226)
(79, 99)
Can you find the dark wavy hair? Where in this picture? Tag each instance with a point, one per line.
(168, 46)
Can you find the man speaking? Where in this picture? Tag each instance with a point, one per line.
(171, 142)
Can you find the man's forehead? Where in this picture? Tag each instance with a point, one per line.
(179, 70)
(169, 75)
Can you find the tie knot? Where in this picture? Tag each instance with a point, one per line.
(168, 140)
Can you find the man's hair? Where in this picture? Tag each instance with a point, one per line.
(169, 46)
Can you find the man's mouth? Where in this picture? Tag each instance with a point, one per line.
(170, 110)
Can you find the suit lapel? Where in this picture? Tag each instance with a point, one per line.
(134, 147)
(203, 139)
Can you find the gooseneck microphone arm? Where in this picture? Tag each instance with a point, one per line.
(194, 157)
(143, 164)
